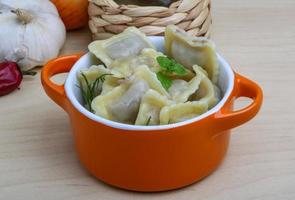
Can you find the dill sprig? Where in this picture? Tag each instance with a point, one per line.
(148, 121)
(92, 89)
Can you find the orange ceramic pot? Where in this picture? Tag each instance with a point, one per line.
(151, 158)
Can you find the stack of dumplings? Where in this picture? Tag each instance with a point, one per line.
(131, 92)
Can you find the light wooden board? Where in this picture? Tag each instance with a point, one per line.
(38, 160)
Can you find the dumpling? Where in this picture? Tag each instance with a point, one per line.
(180, 90)
(150, 107)
(125, 67)
(149, 56)
(91, 74)
(122, 103)
(101, 103)
(207, 92)
(182, 111)
(143, 72)
(122, 67)
(109, 84)
(177, 88)
(188, 51)
(125, 109)
(129, 43)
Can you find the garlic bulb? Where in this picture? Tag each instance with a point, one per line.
(31, 32)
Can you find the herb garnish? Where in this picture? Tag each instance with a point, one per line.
(165, 80)
(169, 66)
(148, 121)
(91, 90)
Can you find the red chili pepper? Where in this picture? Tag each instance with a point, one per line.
(11, 77)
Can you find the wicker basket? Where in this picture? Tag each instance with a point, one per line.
(108, 18)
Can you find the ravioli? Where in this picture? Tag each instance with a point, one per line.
(91, 74)
(143, 72)
(150, 107)
(180, 91)
(129, 43)
(121, 104)
(188, 51)
(142, 89)
(182, 111)
(208, 92)
(101, 103)
(126, 107)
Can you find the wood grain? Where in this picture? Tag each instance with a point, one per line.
(37, 156)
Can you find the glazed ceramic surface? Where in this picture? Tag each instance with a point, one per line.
(151, 158)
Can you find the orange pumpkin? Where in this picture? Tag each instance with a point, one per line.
(72, 12)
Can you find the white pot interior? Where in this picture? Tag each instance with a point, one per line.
(225, 83)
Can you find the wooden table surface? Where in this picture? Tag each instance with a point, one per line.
(37, 155)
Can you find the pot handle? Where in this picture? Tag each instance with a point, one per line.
(228, 119)
(59, 65)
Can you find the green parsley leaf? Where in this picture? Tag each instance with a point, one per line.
(179, 69)
(164, 62)
(165, 80)
(170, 66)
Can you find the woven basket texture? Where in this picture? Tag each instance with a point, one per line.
(108, 18)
